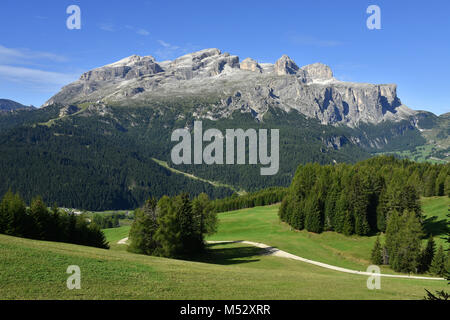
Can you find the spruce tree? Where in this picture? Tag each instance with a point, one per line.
(426, 256)
(313, 221)
(438, 264)
(407, 251)
(348, 227)
(143, 230)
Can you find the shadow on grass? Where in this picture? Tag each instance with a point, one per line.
(228, 255)
(435, 227)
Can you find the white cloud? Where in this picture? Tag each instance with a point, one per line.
(167, 51)
(27, 56)
(142, 32)
(36, 76)
(164, 44)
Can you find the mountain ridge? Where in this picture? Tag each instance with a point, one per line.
(247, 86)
(10, 105)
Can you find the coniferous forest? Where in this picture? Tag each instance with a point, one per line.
(41, 223)
(376, 195)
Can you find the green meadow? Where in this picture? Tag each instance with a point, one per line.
(31, 269)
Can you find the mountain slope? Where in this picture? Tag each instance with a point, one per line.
(92, 145)
(10, 105)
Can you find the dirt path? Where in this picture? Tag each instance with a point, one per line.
(283, 254)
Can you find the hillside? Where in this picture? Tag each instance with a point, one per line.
(92, 146)
(10, 105)
(36, 269)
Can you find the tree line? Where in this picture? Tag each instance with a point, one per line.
(262, 197)
(403, 249)
(107, 221)
(173, 226)
(41, 223)
(358, 199)
(377, 195)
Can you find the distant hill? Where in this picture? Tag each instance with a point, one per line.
(8, 105)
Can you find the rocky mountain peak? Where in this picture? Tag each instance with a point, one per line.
(208, 62)
(247, 86)
(285, 65)
(317, 72)
(128, 68)
(250, 65)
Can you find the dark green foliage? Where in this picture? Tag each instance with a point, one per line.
(438, 264)
(404, 247)
(143, 231)
(106, 221)
(439, 296)
(103, 160)
(426, 256)
(313, 219)
(376, 256)
(356, 199)
(173, 227)
(204, 214)
(263, 197)
(39, 222)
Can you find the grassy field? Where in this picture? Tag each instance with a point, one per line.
(435, 210)
(32, 269)
(261, 224)
(37, 270)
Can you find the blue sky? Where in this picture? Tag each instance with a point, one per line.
(38, 54)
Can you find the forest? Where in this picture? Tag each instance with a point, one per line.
(378, 195)
(41, 223)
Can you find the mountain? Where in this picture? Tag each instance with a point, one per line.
(10, 105)
(104, 141)
(248, 86)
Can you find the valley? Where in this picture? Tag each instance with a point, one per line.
(36, 269)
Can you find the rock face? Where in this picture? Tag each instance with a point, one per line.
(285, 65)
(317, 72)
(247, 86)
(251, 65)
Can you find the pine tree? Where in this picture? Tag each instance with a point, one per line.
(39, 213)
(313, 221)
(205, 219)
(403, 241)
(438, 264)
(377, 253)
(143, 230)
(168, 233)
(382, 211)
(426, 256)
(392, 234)
(348, 227)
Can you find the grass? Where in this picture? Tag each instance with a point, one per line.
(435, 210)
(37, 270)
(261, 224)
(31, 269)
